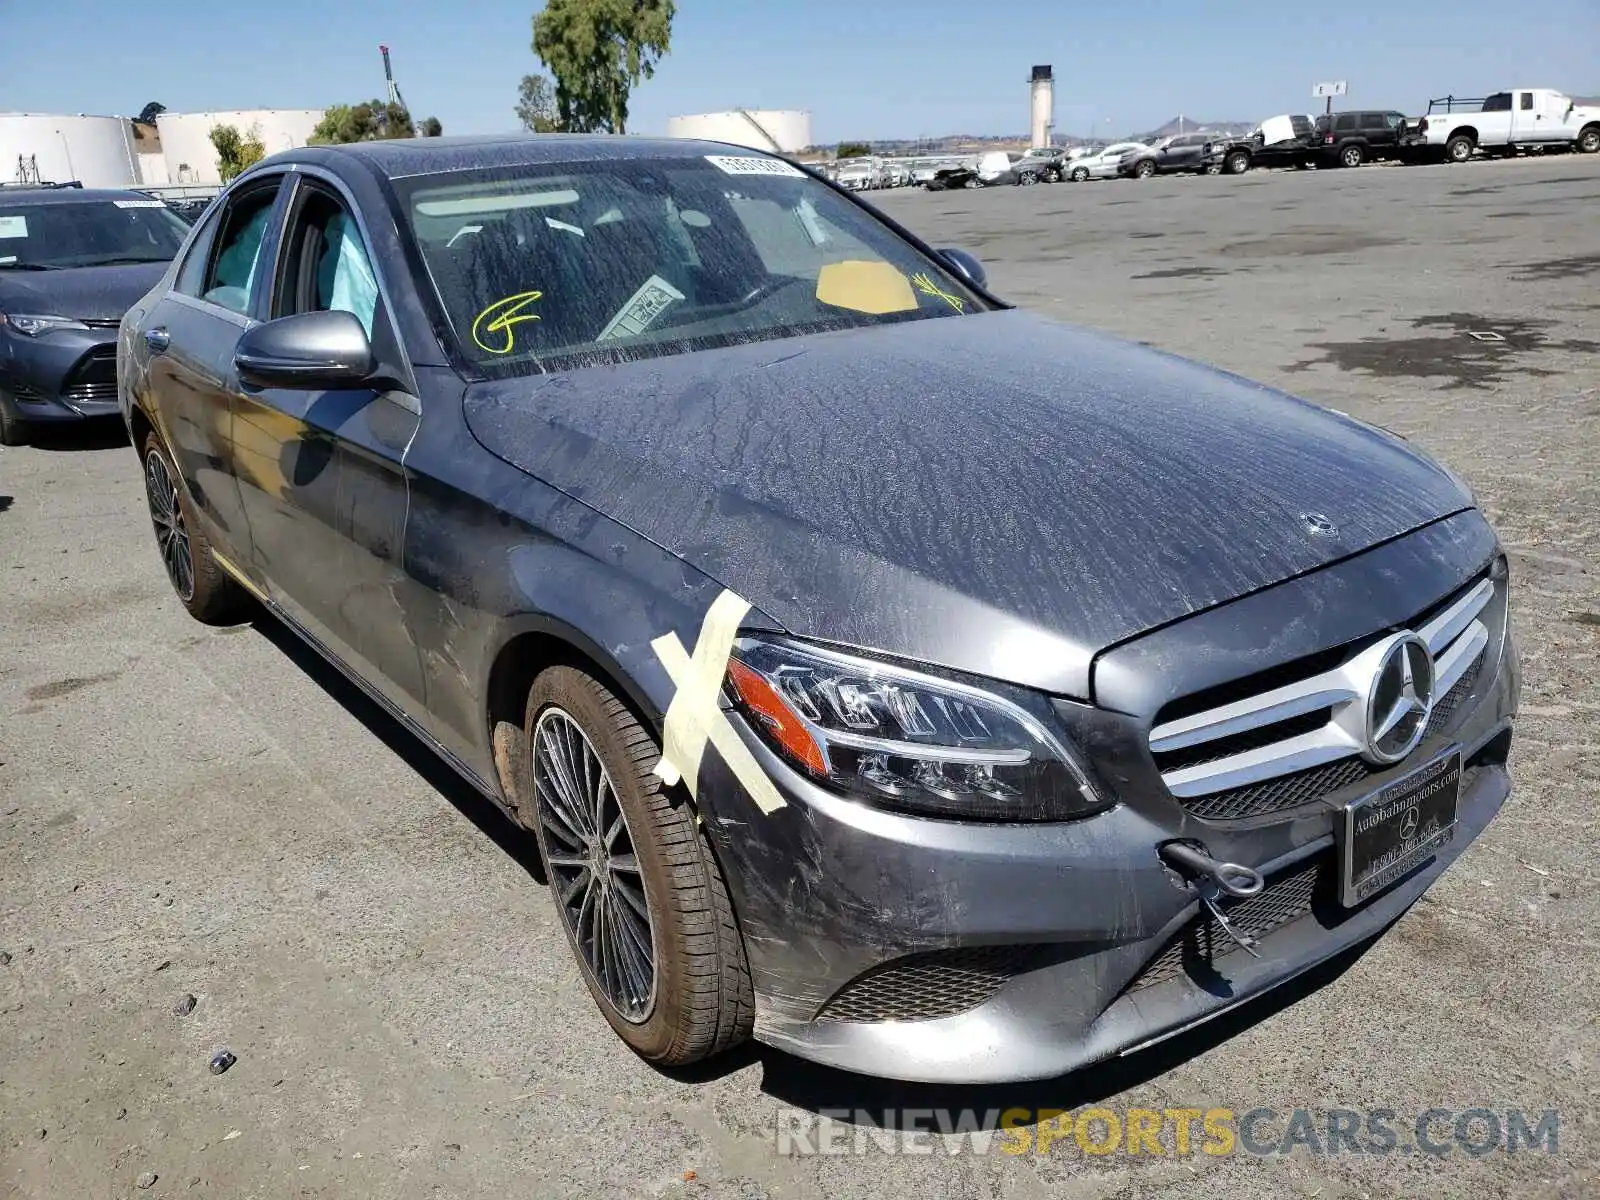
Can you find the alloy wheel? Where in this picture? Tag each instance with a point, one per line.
(594, 869)
(172, 534)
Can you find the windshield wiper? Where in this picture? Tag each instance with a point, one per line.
(5, 266)
(122, 262)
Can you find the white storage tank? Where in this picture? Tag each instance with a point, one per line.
(777, 131)
(48, 148)
(186, 137)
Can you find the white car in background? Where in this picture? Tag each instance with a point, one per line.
(1103, 165)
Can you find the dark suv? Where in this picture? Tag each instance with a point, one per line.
(1182, 152)
(72, 261)
(1352, 138)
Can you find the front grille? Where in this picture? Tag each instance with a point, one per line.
(1280, 794)
(1283, 739)
(1195, 949)
(925, 987)
(1305, 787)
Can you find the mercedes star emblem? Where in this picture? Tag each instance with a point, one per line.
(1408, 824)
(1318, 524)
(1400, 699)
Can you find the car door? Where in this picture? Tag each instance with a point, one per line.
(189, 337)
(329, 496)
(1529, 123)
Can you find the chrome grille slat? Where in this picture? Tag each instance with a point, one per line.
(1247, 755)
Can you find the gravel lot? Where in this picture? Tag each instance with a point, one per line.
(185, 811)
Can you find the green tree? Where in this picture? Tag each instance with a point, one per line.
(371, 121)
(853, 150)
(599, 51)
(235, 150)
(536, 105)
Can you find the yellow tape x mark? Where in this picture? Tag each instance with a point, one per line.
(694, 717)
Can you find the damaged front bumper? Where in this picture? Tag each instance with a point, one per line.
(955, 952)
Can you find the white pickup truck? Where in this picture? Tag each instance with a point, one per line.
(1503, 123)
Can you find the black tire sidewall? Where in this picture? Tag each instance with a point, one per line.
(643, 802)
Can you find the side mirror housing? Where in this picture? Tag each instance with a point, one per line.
(966, 265)
(314, 351)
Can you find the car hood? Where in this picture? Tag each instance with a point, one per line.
(999, 494)
(86, 293)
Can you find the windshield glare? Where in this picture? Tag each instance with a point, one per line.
(88, 233)
(539, 268)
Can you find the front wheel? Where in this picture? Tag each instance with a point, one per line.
(1144, 170)
(1589, 140)
(1237, 163)
(13, 431)
(1080, 175)
(634, 882)
(1458, 149)
(205, 589)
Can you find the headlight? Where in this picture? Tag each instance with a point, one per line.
(32, 324)
(902, 739)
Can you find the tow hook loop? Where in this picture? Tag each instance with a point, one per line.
(1214, 879)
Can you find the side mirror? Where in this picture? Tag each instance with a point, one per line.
(312, 351)
(966, 266)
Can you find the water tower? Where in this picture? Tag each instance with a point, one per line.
(1043, 85)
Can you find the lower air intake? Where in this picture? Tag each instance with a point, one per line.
(1195, 949)
(925, 987)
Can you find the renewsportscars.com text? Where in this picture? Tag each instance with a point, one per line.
(1170, 1132)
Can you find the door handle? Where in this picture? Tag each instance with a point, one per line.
(157, 339)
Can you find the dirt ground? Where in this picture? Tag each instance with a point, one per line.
(213, 813)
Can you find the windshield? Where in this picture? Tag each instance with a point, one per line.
(545, 267)
(87, 233)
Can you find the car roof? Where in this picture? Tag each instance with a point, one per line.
(401, 158)
(66, 195)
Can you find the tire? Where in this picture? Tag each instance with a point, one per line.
(203, 587)
(1236, 163)
(1458, 149)
(1027, 179)
(1589, 140)
(13, 429)
(1080, 175)
(1212, 168)
(699, 1000)
(1144, 169)
(1352, 156)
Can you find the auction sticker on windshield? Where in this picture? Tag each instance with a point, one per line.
(13, 227)
(753, 166)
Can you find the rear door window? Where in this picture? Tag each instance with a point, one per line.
(1526, 101)
(1345, 123)
(232, 266)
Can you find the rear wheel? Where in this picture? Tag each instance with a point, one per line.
(1589, 140)
(638, 892)
(1027, 179)
(1459, 148)
(1144, 170)
(1213, 168)
(205, 589)
(1352, 156)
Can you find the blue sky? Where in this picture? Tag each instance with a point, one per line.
(865, 68)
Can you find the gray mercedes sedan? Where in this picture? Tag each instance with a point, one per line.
(909, 682)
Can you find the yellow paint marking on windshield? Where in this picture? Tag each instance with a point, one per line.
(865, 286)
(928, 286)
(500, 321)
